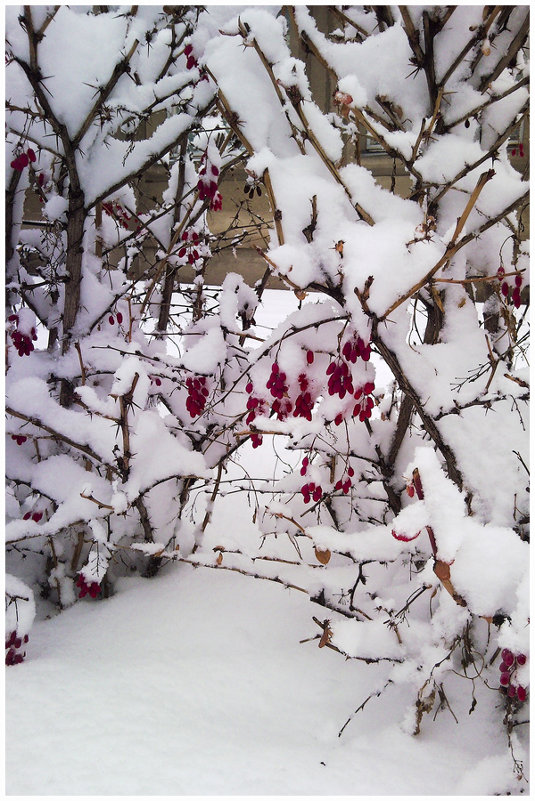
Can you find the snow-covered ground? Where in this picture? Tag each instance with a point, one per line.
(196, 683)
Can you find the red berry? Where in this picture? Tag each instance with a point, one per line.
(369, 387)
(521, 693)
(410, 490)
(504, 679)
(249, 387)
(511, 692)
(31, 154)
(111, 319)
(508, 658)
(518, 280)
(350, 472)
(338, 419)
(505, 289)
(310, 356)
(37, 516)
(403, 537)
(521, 659)
(188, 50)
(119, 317)
(27, 516)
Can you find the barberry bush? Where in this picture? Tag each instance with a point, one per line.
(400, 383)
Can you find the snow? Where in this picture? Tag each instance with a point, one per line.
(203, 679)
(218, 697)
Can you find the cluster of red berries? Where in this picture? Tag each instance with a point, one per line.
(192, 240)
(282, 408)
(207, 186)
(364, 408)
(277, 382)
(22, 341)
(355, 347)
(115, 210)
(304, 466)
(14, 643)
(197, 394)
(311, 491)
(508, 667)
(254, 406)
(512, 293)
(340, 381)
(191, 60)
(33, 515)
(303, 403)
(118, 317)
(23, 159)
(92, 589)
(19, 438)
(345, 484)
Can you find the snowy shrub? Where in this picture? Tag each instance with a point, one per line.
(400, 383)
(97, 443)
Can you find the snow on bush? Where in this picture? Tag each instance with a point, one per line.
(400, 382)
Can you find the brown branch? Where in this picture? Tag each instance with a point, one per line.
(275, 579)
(483, 179)
(478, 36)
(98, 503)
(514, 47)
(82, 368)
